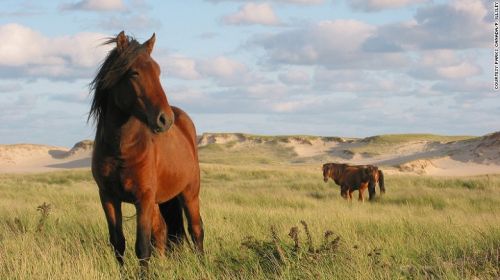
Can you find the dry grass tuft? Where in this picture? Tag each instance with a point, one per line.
(44, 210)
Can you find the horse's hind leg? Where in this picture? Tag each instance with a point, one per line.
(195, 223)
(371, 190)
(113, 212)
(362, 189)
(172, 214)
(159, 231)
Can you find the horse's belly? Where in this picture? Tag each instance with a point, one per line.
(170, 186)
(166, 196)
(174, 177)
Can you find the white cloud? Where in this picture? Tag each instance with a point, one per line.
(443, 64)
(286, 107)
(130, 22)
(10, 87)
(27, 53)
(253, 13)
(185, 95)
(223, 70)
(460, 71)
(297, 2)
(476, 88)
(20, 45)
(267, 91)
(222, 67)
(456, 25)
(295, 77)
(377, 5)
(182, 67)
(361, 82)
(303, 2)
(95, 5)
(333, 44)
(292, 105)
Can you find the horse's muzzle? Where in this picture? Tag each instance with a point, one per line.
(163, 123)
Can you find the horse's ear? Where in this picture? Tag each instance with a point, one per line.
(150, 43)
(121, 41)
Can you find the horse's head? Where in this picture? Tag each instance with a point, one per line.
(326, 172)
(130, 79)
(372, 172)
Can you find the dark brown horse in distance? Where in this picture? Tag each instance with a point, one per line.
(376, 177)
(354, 177)
(145, 151)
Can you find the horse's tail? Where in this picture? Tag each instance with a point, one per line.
(371, 183)
(171, 212)
(381, 181)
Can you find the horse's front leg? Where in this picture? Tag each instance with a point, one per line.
(112, 210)
(145, 206)
(343, 191)
(361, 196)
(159, 231)
(195, 223)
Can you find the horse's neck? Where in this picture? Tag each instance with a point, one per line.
(336, 176)
(123, 135)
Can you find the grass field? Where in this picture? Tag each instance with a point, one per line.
(423, 228)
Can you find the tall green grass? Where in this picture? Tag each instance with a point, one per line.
(423, 228)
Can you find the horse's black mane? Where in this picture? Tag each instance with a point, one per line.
(116, 64)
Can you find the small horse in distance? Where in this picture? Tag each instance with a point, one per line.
(145, 152)
(351, 178)
(376, 177)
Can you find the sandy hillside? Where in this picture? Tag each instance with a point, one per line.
(19, 158)
(408, 153)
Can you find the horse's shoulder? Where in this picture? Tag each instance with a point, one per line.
(185, 124)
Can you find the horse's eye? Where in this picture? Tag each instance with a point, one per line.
(133, 73)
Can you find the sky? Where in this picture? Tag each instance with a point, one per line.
(351, 68)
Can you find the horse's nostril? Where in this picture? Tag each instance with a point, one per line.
(162, 120)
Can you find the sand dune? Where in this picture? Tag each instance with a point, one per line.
(417, 154)
(406, 154)
(20, 158)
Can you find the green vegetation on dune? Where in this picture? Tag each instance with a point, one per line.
(231, 153)
(275, 138)
(401, 138)
(248, 148)
(384, 143)
(423, 228)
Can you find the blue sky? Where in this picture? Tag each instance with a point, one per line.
(335, 68)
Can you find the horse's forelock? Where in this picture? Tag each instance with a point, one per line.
(114, 66)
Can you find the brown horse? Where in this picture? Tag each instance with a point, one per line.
(376, 177)
(352, 178)
(145, 151)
